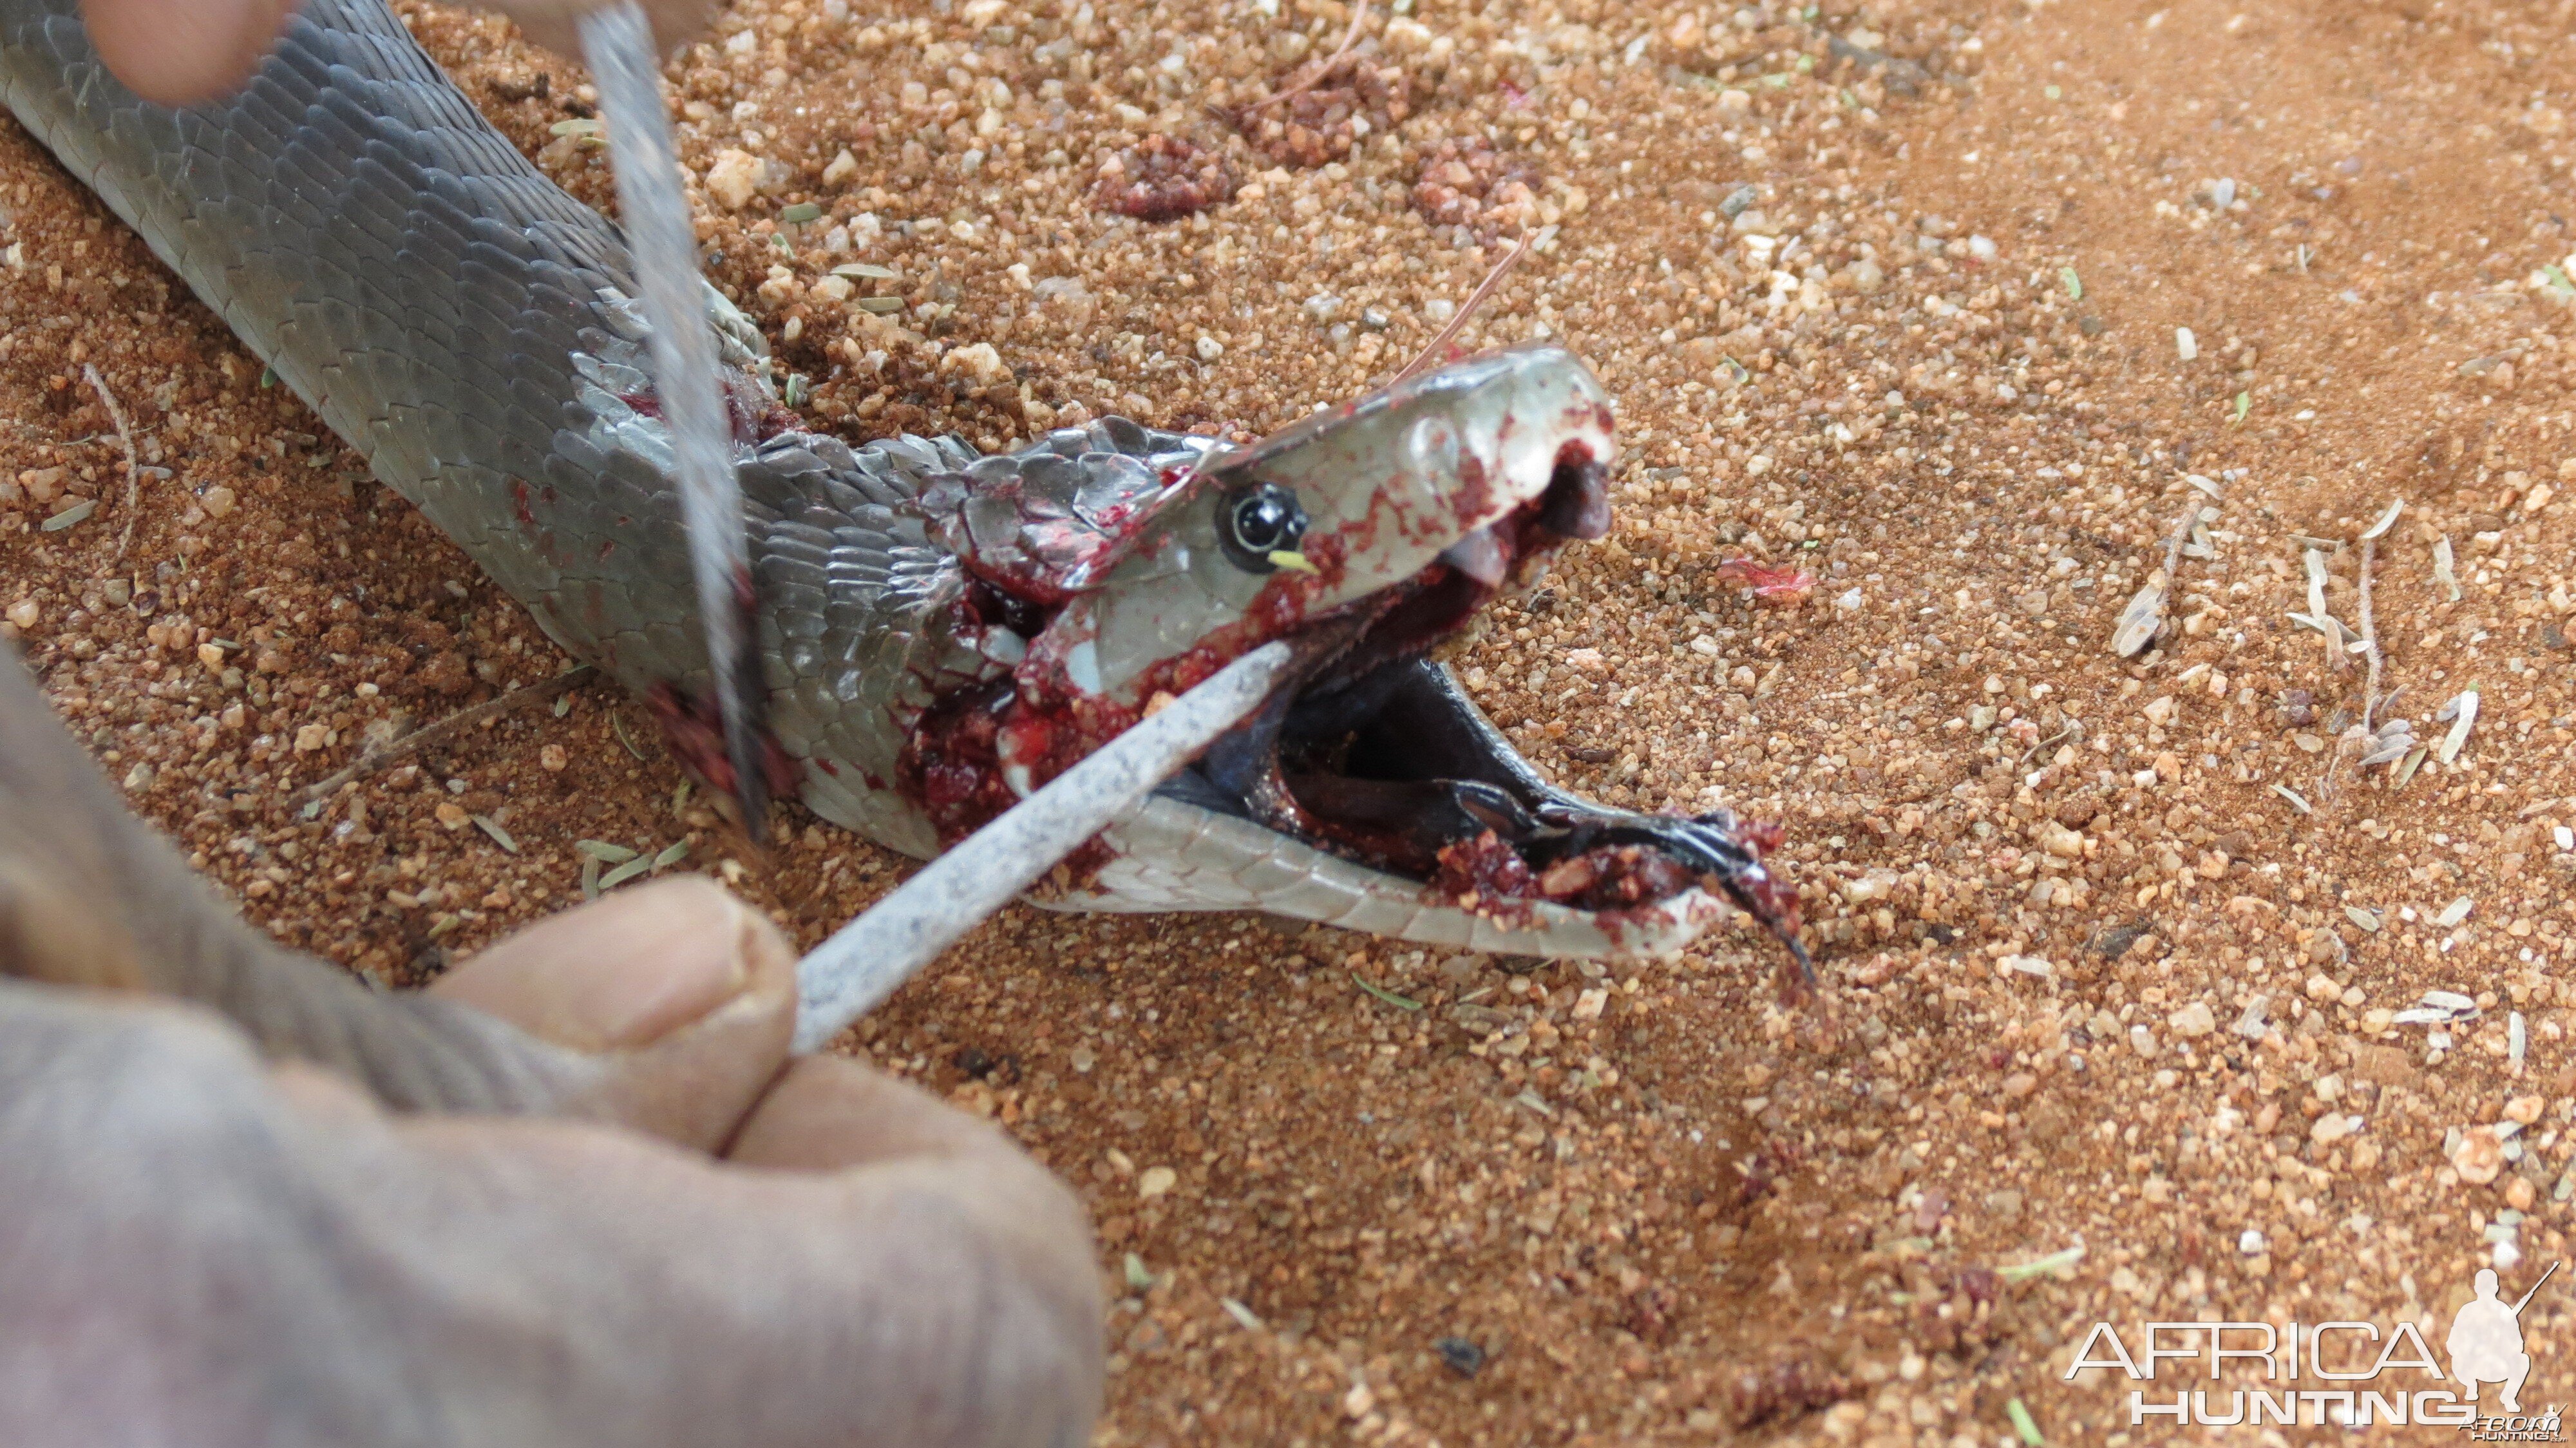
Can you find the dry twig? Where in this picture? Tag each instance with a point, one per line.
(1475, 299)
(1350, 36)
(427, 734)
(133, 463)
(2369, 640)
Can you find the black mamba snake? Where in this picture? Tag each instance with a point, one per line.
(939, 631)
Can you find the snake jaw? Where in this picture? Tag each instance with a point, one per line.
(1420, 505)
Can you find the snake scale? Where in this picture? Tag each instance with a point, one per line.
(939, 631)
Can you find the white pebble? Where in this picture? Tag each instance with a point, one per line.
(734, 177)
(2186, 343)
(2250, 1242)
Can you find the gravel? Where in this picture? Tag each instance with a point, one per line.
(1663, 1202)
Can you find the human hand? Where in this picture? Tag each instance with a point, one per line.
(180, 52)
(574, 1193)
(226, 1250)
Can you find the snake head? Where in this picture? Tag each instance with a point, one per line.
(1379, 524)
(1368, 790)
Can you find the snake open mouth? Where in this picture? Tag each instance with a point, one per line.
(1374, 754)
(1363, 537)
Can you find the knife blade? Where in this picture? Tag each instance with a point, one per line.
(848, 975)
(654, 211)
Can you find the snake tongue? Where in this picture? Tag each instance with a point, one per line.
(1726, 852)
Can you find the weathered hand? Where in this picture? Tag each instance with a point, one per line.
(180, 52)
(212, 1232)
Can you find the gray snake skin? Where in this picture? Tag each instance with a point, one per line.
(469, 328)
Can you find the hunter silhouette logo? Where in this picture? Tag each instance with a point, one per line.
(2341, 1374)
(2486, 1340)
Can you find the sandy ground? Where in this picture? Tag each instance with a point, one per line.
(1894, 293)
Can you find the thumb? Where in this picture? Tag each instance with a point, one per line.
(684, 992)
(181, 52)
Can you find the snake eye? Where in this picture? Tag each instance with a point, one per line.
(1258, 520)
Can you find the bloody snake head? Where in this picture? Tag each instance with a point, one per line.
(1368, 792)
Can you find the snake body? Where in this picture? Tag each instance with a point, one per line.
(472, 331)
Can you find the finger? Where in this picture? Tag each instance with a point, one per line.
(624, 971)
(900, 1147)
(538, 1281)
(180, 52)
(827, 1113)
(687, 993)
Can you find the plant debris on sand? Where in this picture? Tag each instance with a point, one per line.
(1889, 297)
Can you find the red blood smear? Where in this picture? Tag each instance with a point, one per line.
(693, 729)
(753, 415)
(1484, 867)
(1610, 877)
(952, 764)
(1778, 900)
(1615, 877)
(1785, 587)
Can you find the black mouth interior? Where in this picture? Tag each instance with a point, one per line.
(1376, 755)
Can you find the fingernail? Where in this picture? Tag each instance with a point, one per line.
(624, 972)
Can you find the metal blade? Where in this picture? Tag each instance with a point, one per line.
(618, 41)
(846, 976)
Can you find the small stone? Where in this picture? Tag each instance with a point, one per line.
(1358, 1400)
(212, 656)
(2160, 710)
(2525, 1109)
(1587, 1006)
(1462, 1357)
(1155, 1181)
(311, 737)
(2333, 1126)
(24, 613)
(138, 779)
(2479, 1158)
(2250, 1242)
(2196, 1019)
(2518, 1194)
(552, 758)
(452, 815)
(218, 501)
(843, 167)
(734, 178)
(2185, 344)
(979, 361)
